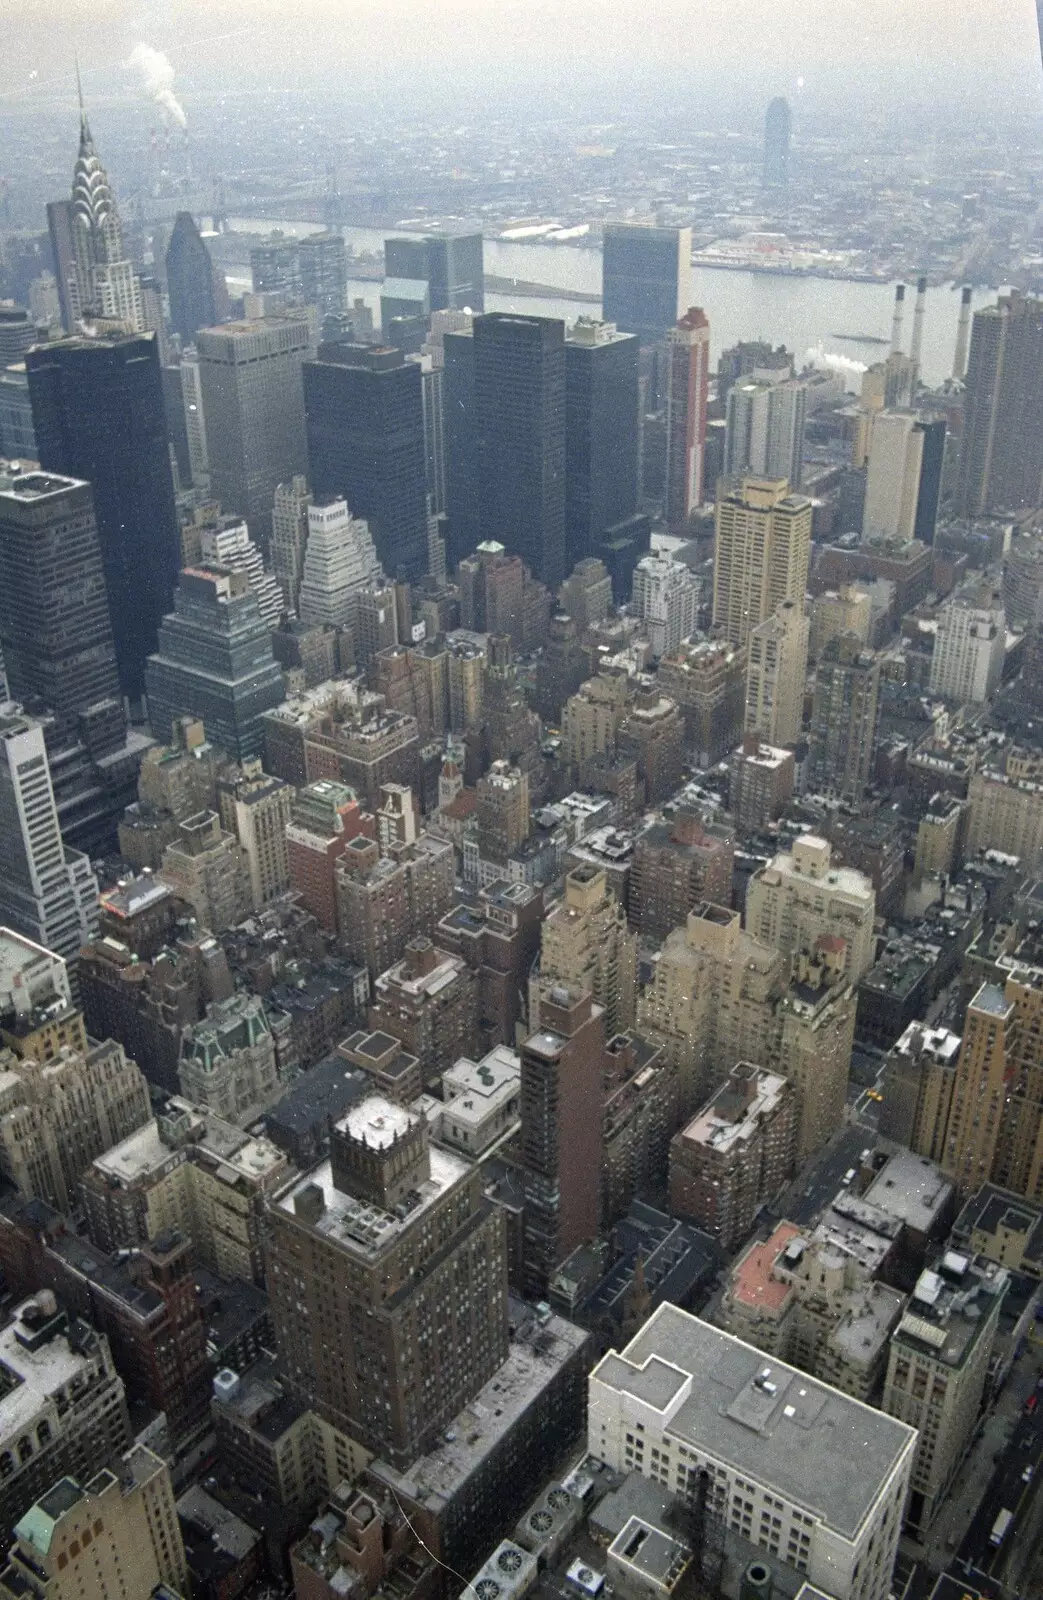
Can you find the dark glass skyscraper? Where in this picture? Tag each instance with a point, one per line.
(1001, 447)
(601, 434)
(365, 423)
(54, 611)
(646, 275)
(778, 122)
(215, 662)
(451, 264)
(190, 280)
(519, 367)
(931, 463)
(98, 414)
(460, 424)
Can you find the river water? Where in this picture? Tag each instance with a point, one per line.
(803, 313)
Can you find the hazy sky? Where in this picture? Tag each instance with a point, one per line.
(935, 41)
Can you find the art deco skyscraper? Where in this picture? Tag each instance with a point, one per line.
(687, 380)
(520, 438)
(1001, 448)
(778, 124)
(102, 282)
(763, 553)
(99, 415)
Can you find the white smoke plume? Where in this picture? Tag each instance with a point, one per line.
(833, 361)
(158, 77)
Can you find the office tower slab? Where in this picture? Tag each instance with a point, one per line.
(54, 615)
(646, 274)
(601, 433)
(765, 433)
(903, 485)
(253, 407)
(520, 383)
(99, 415)
(365, 435)
(1001, 446)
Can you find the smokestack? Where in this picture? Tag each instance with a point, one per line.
(918, 315)
(963, 334)
(896, 326)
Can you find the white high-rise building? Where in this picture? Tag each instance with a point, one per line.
(339, 561)
(765, 429)
(47, 893)
(969, 646)
(232, 547)
(666, 598)
(813, 1477)
(195, 423)
(893, 476)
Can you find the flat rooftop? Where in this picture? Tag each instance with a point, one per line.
(819, 1448)
(752, 1283)
(536, 1354)
(911, 1188)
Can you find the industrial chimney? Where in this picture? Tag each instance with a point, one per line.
(963, 334)
(896, 326)
(918, 316)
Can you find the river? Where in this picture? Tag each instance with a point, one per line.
(803, 313)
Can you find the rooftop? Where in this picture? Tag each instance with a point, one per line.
(951, 1305)
(816, 1446)
(752, 1282)
(538, 1350)
(911, 1188)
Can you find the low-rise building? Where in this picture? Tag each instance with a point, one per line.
(228, 1062)
(810, 1475)
(1003, 1227)
(482, 1101)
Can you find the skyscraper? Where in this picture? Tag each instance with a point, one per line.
(778, 123)
(778, 664)
(322, 270)
(290, 536)
(1001, 448)
(54, 614)
(904, 480)
(646, 278)
(451, 264)
(102, 281)
(214, 661)
(763, 552)
(47, 893)
(190, 280)
(520, 438)
(843, 717)
(99, 415)
(388, 1254)
(461, 469)
(765, 432)
(339, 561)
(253, 408)
(969, 646)
(365, 434)
(687, 379)
(601, 433)
(561, 1144)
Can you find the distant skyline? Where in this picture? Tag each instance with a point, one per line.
(798, 47)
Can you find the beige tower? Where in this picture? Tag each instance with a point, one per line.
(762, 555)
(979, 1095)
(586, 944)
(117, 1535)
(256, 809)
(802, 898)
(775, 674)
